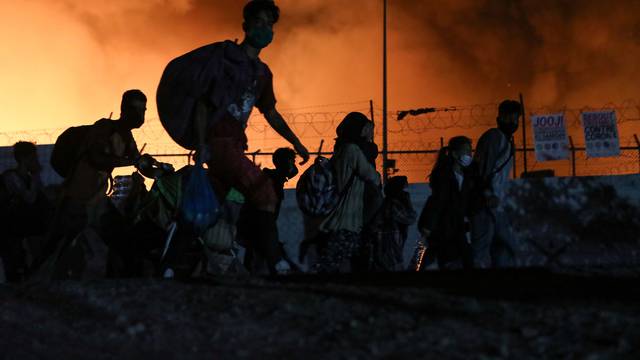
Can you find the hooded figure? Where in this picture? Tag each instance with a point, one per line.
(342, 227)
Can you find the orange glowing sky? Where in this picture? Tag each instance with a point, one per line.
(64, 62)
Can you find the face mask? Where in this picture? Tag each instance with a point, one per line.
(465, 160)
(260, 37)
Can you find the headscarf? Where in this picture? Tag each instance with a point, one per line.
(350, 132)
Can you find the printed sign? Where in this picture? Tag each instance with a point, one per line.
(601, 133)
(550, 137)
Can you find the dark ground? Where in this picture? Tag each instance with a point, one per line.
(516, 314)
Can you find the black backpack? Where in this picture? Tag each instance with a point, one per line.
(68, 149)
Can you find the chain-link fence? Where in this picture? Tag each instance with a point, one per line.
(413, 141)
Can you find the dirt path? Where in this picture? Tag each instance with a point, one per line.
(349, 319)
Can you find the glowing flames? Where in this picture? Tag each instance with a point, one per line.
(65, 62)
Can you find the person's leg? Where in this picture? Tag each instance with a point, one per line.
(339, 247)
(264, 241)
(467, 256)
(361, 260)
(230, 168)
(13, 257)
(482, 235)
(329, 254)
(503, 251)
(176, 262)
(65, 230)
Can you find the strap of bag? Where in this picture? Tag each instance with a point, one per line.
(501, 167)
(510, 149)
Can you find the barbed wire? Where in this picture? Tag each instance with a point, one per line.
(424, 132)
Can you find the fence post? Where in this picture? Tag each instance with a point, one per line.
(254, 155)
(635, 137)
(515, 152)
(371, 111)
(573, 157)
(524, 134)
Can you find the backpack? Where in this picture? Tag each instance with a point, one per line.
(317, 191)
(68, 149)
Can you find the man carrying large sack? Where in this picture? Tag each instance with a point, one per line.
(204, 101)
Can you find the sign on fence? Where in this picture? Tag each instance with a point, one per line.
(601, 133)
(550, 136)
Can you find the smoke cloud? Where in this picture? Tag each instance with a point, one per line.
(65, 62)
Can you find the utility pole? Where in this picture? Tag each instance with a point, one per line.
(385, 143)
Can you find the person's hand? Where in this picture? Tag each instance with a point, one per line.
(302, 151)
(144, 162)
(302, 252)
(166, 167)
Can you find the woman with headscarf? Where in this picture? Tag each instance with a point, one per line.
(353, 170)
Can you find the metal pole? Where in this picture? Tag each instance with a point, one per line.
(371, 111)
(573, 157)
(515, 152)
(524, 134)
(385, 144)
(638, 144)
(441, 142)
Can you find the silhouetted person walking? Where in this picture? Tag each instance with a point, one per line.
(444, 223)
(492, 239)
(392, 226)
(25, 210)
(205, 98)
(97, 150)
(285, 169)
(343, 226)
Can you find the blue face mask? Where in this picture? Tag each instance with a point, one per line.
(465, 160)
(260, 37)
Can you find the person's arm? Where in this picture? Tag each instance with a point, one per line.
(435, 205)
(485, 158)
(100, 150)
(200, 127)
(486, 154)
(362, 167)
(147, 165)
(277, 122)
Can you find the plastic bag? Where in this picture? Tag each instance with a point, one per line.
(200, 207)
